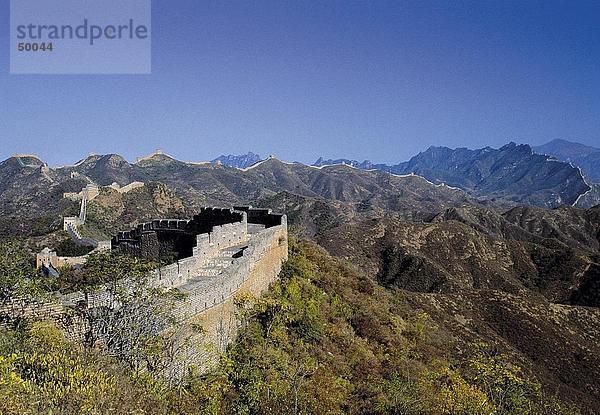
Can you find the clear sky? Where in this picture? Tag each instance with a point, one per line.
(380, 80)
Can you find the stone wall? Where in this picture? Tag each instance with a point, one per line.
(127, 188)
(13, 310)
(212, 229)
(244, 256)
(47, 258)
(261, 216)
(227, 260)
(270, 246)
(90, 192)
(219, 317)
(154, 240)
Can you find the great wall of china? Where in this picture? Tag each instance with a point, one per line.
(221, 253)
(218, 254)
(48, 259)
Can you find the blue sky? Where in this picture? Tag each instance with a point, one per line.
(381, 80)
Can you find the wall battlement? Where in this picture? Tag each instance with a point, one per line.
(219, 253)
(231, 251)
(212, 243)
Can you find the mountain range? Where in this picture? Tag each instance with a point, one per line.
(241, 161)
(585, 157)
(513, 172)
(417, 189)
(486, 242)
(34, 190)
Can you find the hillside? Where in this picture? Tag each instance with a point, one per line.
(31, 201)
(585, 157)
(524, 252)
(327, 339)
(518, 279)
(112, 211)
(512, 173)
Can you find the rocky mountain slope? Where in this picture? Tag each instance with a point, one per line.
(31, 199)
(450, 257)
(527, 279)
(512, 172)
(567, 226)
(241, 161)
(112, 211)
(585, 157)
(557, 343)
(104, 169)
(590, 198)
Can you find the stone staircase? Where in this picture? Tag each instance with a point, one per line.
(80, 240)
(213, 267)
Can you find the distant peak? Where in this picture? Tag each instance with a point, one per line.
(91, 156)
(562, 144)
(33, 156)
(269, 161)
(366, 164)
(240, 161)
(27, 160)
(113, 156)
(512, 146)
(158, 157)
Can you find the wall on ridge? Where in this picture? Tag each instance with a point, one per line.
(219, 321)
(186, 238)
(221, 237)
(207, 247)
(213, 290)
(19, 308)
(211, 297)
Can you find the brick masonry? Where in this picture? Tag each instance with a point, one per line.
(221, 253)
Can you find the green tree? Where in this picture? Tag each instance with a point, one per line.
(46, 374)
(130, 318)
(16, 269)
(503, 383)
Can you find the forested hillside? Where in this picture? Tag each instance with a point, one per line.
(324, 340)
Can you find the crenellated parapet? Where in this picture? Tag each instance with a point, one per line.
(218, 254)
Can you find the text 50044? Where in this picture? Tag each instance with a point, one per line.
(35, 47)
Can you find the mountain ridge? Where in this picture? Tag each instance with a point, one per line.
(506, 177)
(583, 156)
(513, 171)
(241, 161)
